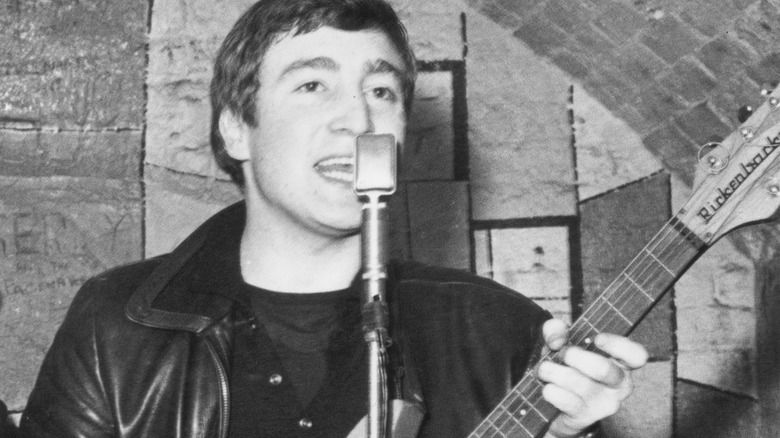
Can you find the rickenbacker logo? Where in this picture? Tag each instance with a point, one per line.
(746, 169)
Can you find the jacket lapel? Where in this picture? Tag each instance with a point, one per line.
(193, 286)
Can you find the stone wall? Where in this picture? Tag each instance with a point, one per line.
(71, 133)
(550, 139)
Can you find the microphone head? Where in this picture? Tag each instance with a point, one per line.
(376, 157)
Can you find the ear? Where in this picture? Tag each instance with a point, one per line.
(236, 135)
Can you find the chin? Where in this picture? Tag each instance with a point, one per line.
(348, 226)
(342, 222)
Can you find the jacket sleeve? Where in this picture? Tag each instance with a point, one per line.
(69, 399)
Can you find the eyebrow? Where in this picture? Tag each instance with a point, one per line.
(320, 62)
(382, 66)
(326, 63)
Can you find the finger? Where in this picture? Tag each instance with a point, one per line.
(566, 401)
(594, 366)
(576, 407)
(631, 354)
(565, 377)
(555, 333)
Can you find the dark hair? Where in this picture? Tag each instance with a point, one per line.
(237, 65)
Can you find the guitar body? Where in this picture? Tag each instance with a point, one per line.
(406, 419)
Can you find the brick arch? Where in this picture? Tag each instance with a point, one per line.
(676, 72)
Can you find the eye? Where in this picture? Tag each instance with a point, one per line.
(311, 87)
(384, 93)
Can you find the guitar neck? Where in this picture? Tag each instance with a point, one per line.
(625, 302)
(737, 184)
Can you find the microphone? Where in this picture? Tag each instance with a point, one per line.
(375, 178)
(375, 165)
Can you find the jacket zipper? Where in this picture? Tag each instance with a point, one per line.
(223, 387)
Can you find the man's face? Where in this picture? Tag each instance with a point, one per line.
(318, 92)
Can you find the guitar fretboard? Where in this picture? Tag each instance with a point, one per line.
(524, 413)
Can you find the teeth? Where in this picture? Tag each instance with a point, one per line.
(341, 176)
(338, 168)
(337, 161)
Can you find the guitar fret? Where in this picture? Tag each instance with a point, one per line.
(631, 297)
(687, 234)
(583, 335)
(640, 288)
(496, 431)
(496, 420)
(659, 262)
(509, 424)
(630, 306)
(491, 429)
(483, 429)
(526, 409)
(523, 411)
(630, 323)
(675, 249)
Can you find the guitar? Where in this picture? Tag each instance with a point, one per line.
(738, 183)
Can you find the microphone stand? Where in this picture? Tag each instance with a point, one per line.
(375, 163)
(375, 313)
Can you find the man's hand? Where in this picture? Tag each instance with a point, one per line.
(588, 386)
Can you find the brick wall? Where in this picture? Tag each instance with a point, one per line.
(676, 72)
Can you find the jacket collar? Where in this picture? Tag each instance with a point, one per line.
(195, 285)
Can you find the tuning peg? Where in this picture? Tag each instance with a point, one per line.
(768, 87)
(744, 113)
(713, 157)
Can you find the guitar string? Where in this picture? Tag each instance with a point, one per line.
(580, 331)
(515, 397)
(665, 252)
(673, 268)
(671, 227)
(683, 245)
(672, 258)
(668, 245)
(610, 308)
(688, 235)
(676, 265)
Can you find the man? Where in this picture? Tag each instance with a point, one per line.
(251, 327)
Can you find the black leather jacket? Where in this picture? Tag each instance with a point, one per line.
(143, 350)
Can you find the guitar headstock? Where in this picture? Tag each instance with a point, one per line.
(738, 180)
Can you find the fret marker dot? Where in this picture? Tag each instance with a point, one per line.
(588, 340)
(523, 412)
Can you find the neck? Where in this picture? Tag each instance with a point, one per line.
(279, 256)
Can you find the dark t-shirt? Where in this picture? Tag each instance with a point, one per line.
(300, 327)
(288, 360)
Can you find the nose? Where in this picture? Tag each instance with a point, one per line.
(352, 115)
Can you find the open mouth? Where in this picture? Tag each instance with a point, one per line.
(340, 169)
